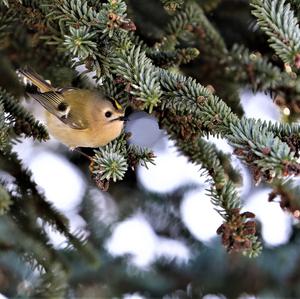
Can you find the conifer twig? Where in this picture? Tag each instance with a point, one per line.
(277, 20)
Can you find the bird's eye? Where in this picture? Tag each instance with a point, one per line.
(108, 114)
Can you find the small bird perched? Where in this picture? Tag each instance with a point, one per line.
(77, 117)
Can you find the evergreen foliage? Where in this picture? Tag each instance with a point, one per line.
(254, 70)
(23, 121)
(277, 20)
(183, 67)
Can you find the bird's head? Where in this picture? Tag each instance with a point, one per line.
(112, 113)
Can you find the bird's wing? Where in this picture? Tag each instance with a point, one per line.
(36, 80)
(55, 103)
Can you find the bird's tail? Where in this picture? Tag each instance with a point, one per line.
(36, 80)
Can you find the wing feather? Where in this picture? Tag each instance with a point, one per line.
(55, 103)
(36, 80)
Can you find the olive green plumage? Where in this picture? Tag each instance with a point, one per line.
(77, 117)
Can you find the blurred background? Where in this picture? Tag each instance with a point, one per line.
(155, 231)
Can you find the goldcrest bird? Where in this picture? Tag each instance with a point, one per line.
(77, 117)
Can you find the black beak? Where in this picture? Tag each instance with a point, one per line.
(123, 118)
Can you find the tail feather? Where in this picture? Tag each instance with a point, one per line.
(36, 80)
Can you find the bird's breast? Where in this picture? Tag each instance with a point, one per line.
(91, 137)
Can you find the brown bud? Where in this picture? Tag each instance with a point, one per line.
(200, 99)
(221, 229)
(189, 28)
(247, 244)
(112, 16)
(249, 231)
(226, 242)
(280, 100)
(248, 215)
(129, 26)
(210, 88)
(250, 157)
(239, 151)
(110, 25)
(199, 31)
(266, 150)
(235, 211)
(102, 185)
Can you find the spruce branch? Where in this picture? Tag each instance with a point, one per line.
(278, 21)
(259, 147)
(80, 43)
(180, 27)
(113, 17)
(253, 142)
(165, 59)
(185, 108)
(282, 129)
(24, 122)
(184, 95)
(254, 70)
(190, 24)
(180, 94)
(288, 133)
(111, 162)
(134, 66)
(139, 156)
(238, 234)
(83, 29)
(109, 19)
(224, 195)
(72, 13)
(287, 191)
